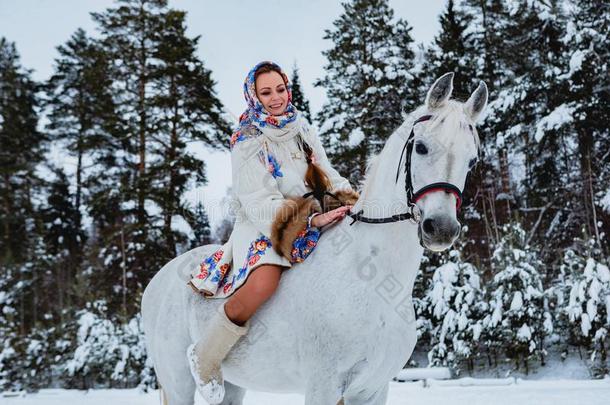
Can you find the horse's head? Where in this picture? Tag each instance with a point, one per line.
(444, 147)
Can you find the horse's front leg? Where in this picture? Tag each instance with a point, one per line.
(322, 390)
(366, 397)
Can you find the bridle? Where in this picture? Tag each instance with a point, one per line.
(412, 197)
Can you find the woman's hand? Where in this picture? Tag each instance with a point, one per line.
(331, 216)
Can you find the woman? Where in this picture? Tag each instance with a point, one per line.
(276, 158)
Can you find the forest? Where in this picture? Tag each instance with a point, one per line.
(527, 285)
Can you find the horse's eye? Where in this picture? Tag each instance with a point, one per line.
(472, 163)
(421, 148)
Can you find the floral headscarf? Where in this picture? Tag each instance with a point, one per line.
(256, 114)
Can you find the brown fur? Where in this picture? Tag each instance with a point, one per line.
(291, 218)
(347, 197)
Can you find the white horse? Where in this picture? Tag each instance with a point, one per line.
(341, 324)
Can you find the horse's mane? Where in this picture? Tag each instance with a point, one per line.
(371, 164)
(453, 113)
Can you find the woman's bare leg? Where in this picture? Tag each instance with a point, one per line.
(259, 286)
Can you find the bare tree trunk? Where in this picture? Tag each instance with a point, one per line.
(592, 199)
(505, 177)
(142, 79)
(8, 208)
(171, 157)
(124, 269)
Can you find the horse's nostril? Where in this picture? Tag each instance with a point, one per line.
(456, 231)
(428, 226)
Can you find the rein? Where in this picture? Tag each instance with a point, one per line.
(413, 214)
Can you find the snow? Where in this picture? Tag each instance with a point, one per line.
(608, 309)
(524, 333)
(355, 137)
(585, 324)
(576, 61)
(556, 119)
(517, 302)
(414, 374)
(464, 391)
(351, 69)
(605, 202)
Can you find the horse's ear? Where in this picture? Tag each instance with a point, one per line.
(477, 102)
(440, 91)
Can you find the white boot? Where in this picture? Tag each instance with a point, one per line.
(207, 354)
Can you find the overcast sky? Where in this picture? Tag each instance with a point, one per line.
(235, 35)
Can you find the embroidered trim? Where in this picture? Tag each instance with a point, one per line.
(304, 244)
(208, 267)
(257, 249)
(273, 166)
(243, 134)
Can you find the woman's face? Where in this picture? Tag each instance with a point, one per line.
(272, 92)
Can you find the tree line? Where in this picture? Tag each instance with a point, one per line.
(77, 248)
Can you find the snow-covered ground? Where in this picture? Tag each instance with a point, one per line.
(454, 392)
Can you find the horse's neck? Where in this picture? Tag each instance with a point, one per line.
(382, 197)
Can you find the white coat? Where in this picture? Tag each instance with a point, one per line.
(267, 167)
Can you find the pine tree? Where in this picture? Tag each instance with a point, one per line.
(298, 98)
(131, 36)
(81, 107)
(455, 308)
(188, 111)
(489, 50)
(521, 114)
(517, 321)
(164, 99)
(450, 53)
(587, 101)
(201, 228)
(366, 82)
(130, 243)
(64, 242)
(585, 284)
(22, 151)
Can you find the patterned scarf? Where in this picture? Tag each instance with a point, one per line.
(256, 115)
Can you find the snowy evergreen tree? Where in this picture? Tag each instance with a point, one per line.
(586, 109)
(517, 322)
(64, 243)
(450, 53)
(80, 106)
(190, 112)
(21, 152)
(106, 351)
(585, 282)
(22, 149)
(10, 293)
(202, 227)
(489, 49)
(520, 114)
(298, 97)
(455, 308)
(164, 100)
(367, 83)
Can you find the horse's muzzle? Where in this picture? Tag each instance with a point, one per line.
(438, 233)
